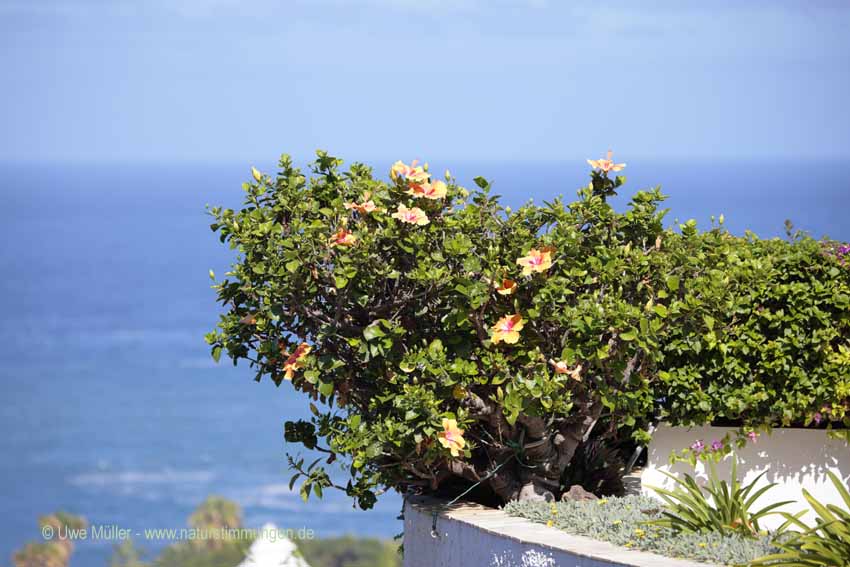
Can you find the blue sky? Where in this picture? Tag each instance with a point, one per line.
(123, 80)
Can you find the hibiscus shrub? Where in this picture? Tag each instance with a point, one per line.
(440, 336)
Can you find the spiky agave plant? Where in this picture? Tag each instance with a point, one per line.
(826, 544)
(717, 507)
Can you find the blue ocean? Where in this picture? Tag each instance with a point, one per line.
(112, 407)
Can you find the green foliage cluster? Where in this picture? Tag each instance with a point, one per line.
(214, 516)
(826, 544)
(717, 506)
(217, 513)
(56, 551)
(627, 521)
(349, 551)
(393, 329)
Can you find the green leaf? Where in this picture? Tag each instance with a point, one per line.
(629, 335)
(373, 331)
(216, 353)
(673, 283)
(660, 310)
(326, 388)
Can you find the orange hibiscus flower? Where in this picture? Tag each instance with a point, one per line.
(536, 260)
(295, 360)
(606, 164)
(364, 208)
(506, 287)
(562, 367)
(412, 172)
(451, 437)
(507, 329)
(414, 215)
(343, 237)
(435, 190)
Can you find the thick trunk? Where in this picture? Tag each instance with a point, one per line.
(547, 451)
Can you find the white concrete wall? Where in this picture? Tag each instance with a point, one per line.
(794, 458)
(470, 535)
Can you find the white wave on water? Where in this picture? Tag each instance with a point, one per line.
(141, 478)
(275, 496)
(278, 496)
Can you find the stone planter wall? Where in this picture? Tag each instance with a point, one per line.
(470, 535)
(794, 458)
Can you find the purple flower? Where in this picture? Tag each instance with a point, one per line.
(752, 435)
(716, 445)
(818, 417)
(698, 446)
(841, 252)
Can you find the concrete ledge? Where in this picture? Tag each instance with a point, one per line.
(470, 535)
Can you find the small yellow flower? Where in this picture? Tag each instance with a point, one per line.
(507, 329)
(343, 237)
(617, 522)
(629, 544)
(702, 544)
(414, 215)
(639, 532)
(451, 437)
(537, 260)
(606, 164)
(295, 361)
(550, 523)
(602, 501)
(458, 392)
(506, 287)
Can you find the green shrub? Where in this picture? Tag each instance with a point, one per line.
(826, 544)
(439, 335)
(716, 507)
(349, 551)
(59, 531)
(627, 521)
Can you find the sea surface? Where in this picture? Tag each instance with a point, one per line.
(110, 404)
